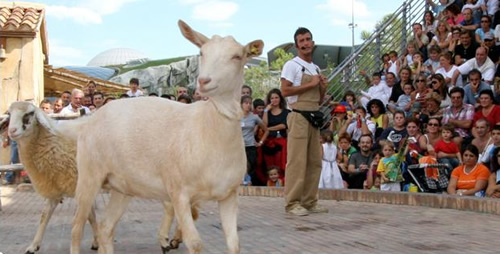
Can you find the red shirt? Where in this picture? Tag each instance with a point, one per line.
(493, 117)
(444, 147)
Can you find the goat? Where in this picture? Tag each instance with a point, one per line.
(49, 159)
(121, 145)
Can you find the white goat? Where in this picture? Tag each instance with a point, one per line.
(202, 158)
(49, 159)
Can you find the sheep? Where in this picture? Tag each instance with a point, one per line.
(49, 159)
(202, 158)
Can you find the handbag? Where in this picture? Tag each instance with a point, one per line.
(315, 118)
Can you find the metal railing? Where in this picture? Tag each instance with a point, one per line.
(388, 36)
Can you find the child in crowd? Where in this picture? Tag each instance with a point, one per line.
(346, 150)
(393, 62)
(446, 150)
(274, 180)
(410, 50)
(330, 174)
(403, 100)
(389, 167)
(487, 156)
(372, 178)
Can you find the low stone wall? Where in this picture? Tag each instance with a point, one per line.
(483, 205)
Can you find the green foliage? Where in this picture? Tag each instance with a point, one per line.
(281, 58)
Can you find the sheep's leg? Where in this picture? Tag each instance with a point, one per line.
(117, 205)
(93, 223)
(228, 209)
(185, 221)
(85, 196)
(166, 223)
(48, 210)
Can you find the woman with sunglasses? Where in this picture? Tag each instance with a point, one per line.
(431, 136)
(484, 29)
(418, 97)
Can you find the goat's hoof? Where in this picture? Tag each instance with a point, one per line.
(32, 252)
(165, 249)
(94, 247)
(174, 244)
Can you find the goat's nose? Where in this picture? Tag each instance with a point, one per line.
(12, 130)
(204, 81)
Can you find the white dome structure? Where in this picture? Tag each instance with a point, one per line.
(117, 56)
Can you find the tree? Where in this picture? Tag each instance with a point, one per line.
(262, 79)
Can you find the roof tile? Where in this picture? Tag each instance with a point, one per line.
(19, 19)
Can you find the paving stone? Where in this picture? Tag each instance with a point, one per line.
(264, 227)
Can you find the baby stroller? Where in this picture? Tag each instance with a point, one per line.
(429, 176)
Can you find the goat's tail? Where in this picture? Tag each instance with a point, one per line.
(71, 129)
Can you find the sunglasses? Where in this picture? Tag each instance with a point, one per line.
(485, 21)
(420, 80)
(434, 82)
(433, 124)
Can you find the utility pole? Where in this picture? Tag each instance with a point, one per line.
(352, 25)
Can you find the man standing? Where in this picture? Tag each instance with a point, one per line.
(98, 100)
(76, 103)
(304, 86)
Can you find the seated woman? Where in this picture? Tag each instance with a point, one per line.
(377, 113)
(431, 136)
(471, 178)
(493, 189)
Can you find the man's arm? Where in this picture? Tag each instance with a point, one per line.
(287, 88)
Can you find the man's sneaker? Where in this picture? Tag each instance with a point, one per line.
(317, 209)
(298, 211)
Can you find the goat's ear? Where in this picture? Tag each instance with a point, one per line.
(45, 121)
(4, 124)
(196, 38)
(254, 48)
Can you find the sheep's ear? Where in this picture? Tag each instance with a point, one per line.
(196, 38)
(4, 124)
(254, 48)
(44, 120)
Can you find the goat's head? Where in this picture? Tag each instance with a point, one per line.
(23, 118)
(222, 61)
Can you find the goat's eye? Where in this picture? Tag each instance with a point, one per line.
(27, 118)
(236, 57)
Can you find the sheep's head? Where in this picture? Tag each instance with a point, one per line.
(222, 61)
(23, 118)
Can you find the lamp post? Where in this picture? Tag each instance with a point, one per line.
(352, 25)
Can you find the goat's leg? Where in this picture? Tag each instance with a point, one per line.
(182, 208)
(177, 239)
(166, 223)
(85, 196)
(93, 223)
(48, 210)
(117, 205)
(228, 209)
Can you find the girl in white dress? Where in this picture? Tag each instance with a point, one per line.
(330, 173)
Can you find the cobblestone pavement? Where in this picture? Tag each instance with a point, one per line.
(349, 227)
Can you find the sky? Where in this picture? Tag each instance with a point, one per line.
(78, 30)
